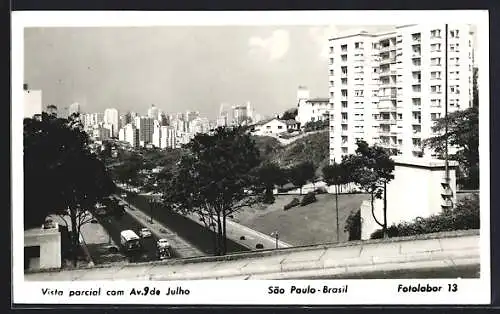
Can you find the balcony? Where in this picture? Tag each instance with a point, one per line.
(416, 81)
(417, 148)
(389, 96)
(388, 60)
(386, 121)
(387, 48)
(416, 121)
(388, 83)
(343, 74)
(387, 105)
(416, 54)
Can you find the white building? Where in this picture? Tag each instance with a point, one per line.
(32, 102)
(145, 125)
(101, 133)
(275, 127)
(156, 133)
(199, 125)
(112, 116)
(311, 109)
(153, 112)
(42, 247)
(121, 134)
(131, 135)
(92, 119)
(389, 88)
(74, 108)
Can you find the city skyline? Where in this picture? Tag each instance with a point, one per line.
(284, 57)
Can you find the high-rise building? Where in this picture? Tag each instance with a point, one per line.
(145, 126)
(191, 115)
(100, 133)
(388, 89)
(73, 108)
(153, 112)
(121, 134)
(112, 117)
(32, 102)
(156, 133)
(131, 135)
(169, 137)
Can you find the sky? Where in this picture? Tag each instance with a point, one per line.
(179, 68)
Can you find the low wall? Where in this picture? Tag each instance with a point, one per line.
(49, 241)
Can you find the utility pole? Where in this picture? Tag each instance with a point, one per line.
(447, 193)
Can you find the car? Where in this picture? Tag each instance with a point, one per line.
(145, 233)
(162, 243)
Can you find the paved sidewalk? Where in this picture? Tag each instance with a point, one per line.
(183, 248)
(440, 253)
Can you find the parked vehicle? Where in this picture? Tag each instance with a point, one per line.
(130, 241)
(163, 249)
(145, 233)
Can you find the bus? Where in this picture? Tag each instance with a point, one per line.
(130, 241)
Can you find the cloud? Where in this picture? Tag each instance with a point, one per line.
(275, 46)
(320, 36)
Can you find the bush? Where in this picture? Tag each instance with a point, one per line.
(392, 231)
(293, 203)
(353, 225)
(321, 190)
(465, 216)
(268, 198)
(309, 198)
(259, 246)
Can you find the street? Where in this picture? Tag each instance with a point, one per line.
(114, 225)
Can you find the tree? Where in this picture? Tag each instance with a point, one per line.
(269, 174)
(290, 114)
(214, 177)
(371, 167)
(463, 133)
(302, 173)
(62, 176)
(335, 175)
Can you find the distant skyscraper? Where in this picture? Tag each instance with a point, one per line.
(74, 108)
(153, 112)
(146, 127)
(191, 115)
(111, 116)
(131, 135)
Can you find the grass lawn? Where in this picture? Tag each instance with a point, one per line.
(311, 224)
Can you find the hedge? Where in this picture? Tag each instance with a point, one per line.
(464, 216)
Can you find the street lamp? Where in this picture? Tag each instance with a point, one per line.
(151, 203)
(276, 235)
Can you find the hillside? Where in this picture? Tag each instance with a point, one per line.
(314, 147)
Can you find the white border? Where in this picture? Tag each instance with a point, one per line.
(475, 291)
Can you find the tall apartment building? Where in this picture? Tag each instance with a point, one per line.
(389, 88)
(153, 112)
(131, 135)
(112, 117)
(74, 108)
(146, 127)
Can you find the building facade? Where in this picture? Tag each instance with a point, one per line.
(145, 125)
(153, 112)
(131, 135)
(73, 108)
(32, 102)
(388, 89)
(275, 127)
(311, 109)
(112, 117)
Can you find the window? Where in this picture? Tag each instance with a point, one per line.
(343, 92)
(435, 47)
(331, 49)
(344, 116)
(416, 101)
(454, 89)
(436, 75)
(400, 116)
(343, 58)
(435, 89)
(344, 150)
(358, 93)
(436, 102)
(357, 45)
(280, 127)
(343, 81)
(331, 72)
(435, 33)
(343, 48)
(344, 127)
(344, 104)
(343, 70)
(435, 116)
(331, 61)
(331, 94)
(416, 62)
(436, 61)
(375, 70)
